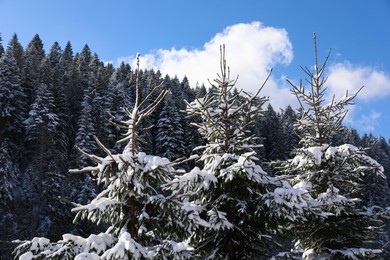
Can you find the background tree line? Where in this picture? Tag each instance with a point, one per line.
(50, 102)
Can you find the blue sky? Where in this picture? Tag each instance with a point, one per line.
(181, 37)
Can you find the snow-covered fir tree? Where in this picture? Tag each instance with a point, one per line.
(143, 222)
(333, 175)
(235, 195)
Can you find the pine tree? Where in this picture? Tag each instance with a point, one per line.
(143, 222)
(333, 175)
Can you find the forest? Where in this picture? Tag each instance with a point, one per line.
(104, 162)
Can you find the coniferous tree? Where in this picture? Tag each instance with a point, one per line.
(12, 101)
(131, 203)
(333, 175)
(86, 126)
(34, 56)
(12, 112)
(43, 173)
(231, 190)
(18, 53)
(170, 132)
(56, 69)
(290, 136)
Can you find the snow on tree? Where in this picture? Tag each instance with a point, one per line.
(233, 191)
(334, 177)
(86, 126)
(143, 221)
(43, 175)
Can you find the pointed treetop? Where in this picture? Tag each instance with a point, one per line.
(37, 43)
(319, 121)
(86, 54)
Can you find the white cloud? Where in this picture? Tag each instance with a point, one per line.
(251, 50)
(345, 76)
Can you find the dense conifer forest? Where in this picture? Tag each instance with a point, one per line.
(259, 180)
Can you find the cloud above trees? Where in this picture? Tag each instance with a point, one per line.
(251, 50)
(346, 76)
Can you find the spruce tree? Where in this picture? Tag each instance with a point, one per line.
(18, 53)
(12, 101)
(333, 175)
(234, 194)
(43, 173)
(86, 126)
(290, 136)
(34, 56)
(143, 222)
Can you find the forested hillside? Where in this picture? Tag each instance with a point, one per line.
(52, 101)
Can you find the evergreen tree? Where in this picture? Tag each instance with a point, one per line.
(18, 53)
(43, 173)
(12, 101)
(86, 127)
(131, 203)
(57, 70)
(86, 54)
(170, 141)
(34, 56)
(333, 175)
(231, 190)
(290, 136)
(12, 112)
